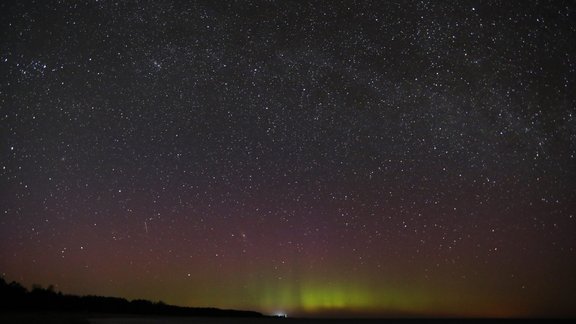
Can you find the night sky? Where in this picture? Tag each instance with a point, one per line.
(318, 158)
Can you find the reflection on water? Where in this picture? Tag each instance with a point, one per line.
(195, 320)
(185, 320)
(189, 320)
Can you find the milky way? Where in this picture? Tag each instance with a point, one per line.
(322, 158)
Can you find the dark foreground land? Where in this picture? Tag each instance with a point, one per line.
(45, 305)
(39, 305)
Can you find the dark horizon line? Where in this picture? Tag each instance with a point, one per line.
(17, 297)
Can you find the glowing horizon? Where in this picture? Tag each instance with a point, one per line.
(327, 159)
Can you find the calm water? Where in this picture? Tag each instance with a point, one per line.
(163, 320)
(187, 320)
(183, 320)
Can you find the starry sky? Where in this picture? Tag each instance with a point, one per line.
(315, 158)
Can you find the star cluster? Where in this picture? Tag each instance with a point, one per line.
(322, 157)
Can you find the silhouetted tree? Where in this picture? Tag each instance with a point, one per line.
(14, 296)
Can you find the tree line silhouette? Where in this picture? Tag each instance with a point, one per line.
(16, 297)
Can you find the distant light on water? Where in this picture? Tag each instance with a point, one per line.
(280, 314)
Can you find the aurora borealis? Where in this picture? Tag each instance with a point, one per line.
(315, 158)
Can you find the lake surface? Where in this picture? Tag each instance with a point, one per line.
(189, 320)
